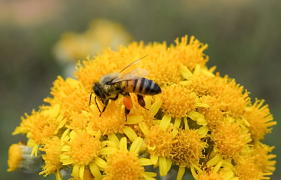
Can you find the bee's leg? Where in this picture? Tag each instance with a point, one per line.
(97, 105)
(127, 111)
(114, 99)
(90, 98)
(141, 100)
(127, 101)
(105, 104)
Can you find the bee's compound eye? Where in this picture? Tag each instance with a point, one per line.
(97, 90)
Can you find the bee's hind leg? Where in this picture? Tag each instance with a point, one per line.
(127, 101)
(141, 100)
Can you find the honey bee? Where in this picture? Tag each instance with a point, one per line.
(111, 85)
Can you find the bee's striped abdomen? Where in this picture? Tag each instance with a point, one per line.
(141, 86)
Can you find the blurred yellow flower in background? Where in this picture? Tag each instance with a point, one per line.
(101, 34)
(201, 121)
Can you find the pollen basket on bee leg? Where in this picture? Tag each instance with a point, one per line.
(127, 101)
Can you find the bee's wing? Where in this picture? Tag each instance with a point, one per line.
(135, 74)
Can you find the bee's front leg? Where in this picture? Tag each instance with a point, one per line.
(106, 103)
(104, 107)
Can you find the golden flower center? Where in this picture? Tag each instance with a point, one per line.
(159, 142)
(228, 138)
(84, 148)
(188, 148)
(124, 165)
(178, 101)
(42, 129)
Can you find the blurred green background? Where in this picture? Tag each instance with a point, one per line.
(243, 36)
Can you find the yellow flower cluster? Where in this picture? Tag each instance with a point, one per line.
(200, 121)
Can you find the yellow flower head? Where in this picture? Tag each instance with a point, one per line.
(124, 164)
(52, 148)
(188, 149)
(199, 121)
(80, 150)
(235, 140)
(248, 168)
(259, 118)
(15, 157)
(178, 101)
(20, 159)
(70, 95)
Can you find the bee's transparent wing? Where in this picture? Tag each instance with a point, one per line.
(135, 62)
(135, 74)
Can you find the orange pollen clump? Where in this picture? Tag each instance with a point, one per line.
(177, 101)
(159, 142)
(127, 101)
(84, 148)
(124, 165)
(228, 138)
(188, 148)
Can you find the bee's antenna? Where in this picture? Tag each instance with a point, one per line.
(90, 98)
(135, 62)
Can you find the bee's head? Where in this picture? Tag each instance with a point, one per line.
(98, 91)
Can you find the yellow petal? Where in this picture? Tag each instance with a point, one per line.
(112, 137)
(154, 159)
(181, 173)
(214, 160)
(75, 171)
(144, 128)
(149, 175)
(130, 133)
(135, 147)
(145, 162)
(95, 171)
(81, 172)
(134, 119)
(177, 122)
(165, 122)
(156, 106)
(100, 162)
(123, 144)
(163, 166)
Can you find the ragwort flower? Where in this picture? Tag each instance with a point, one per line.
(125, 164)
(201, 121)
